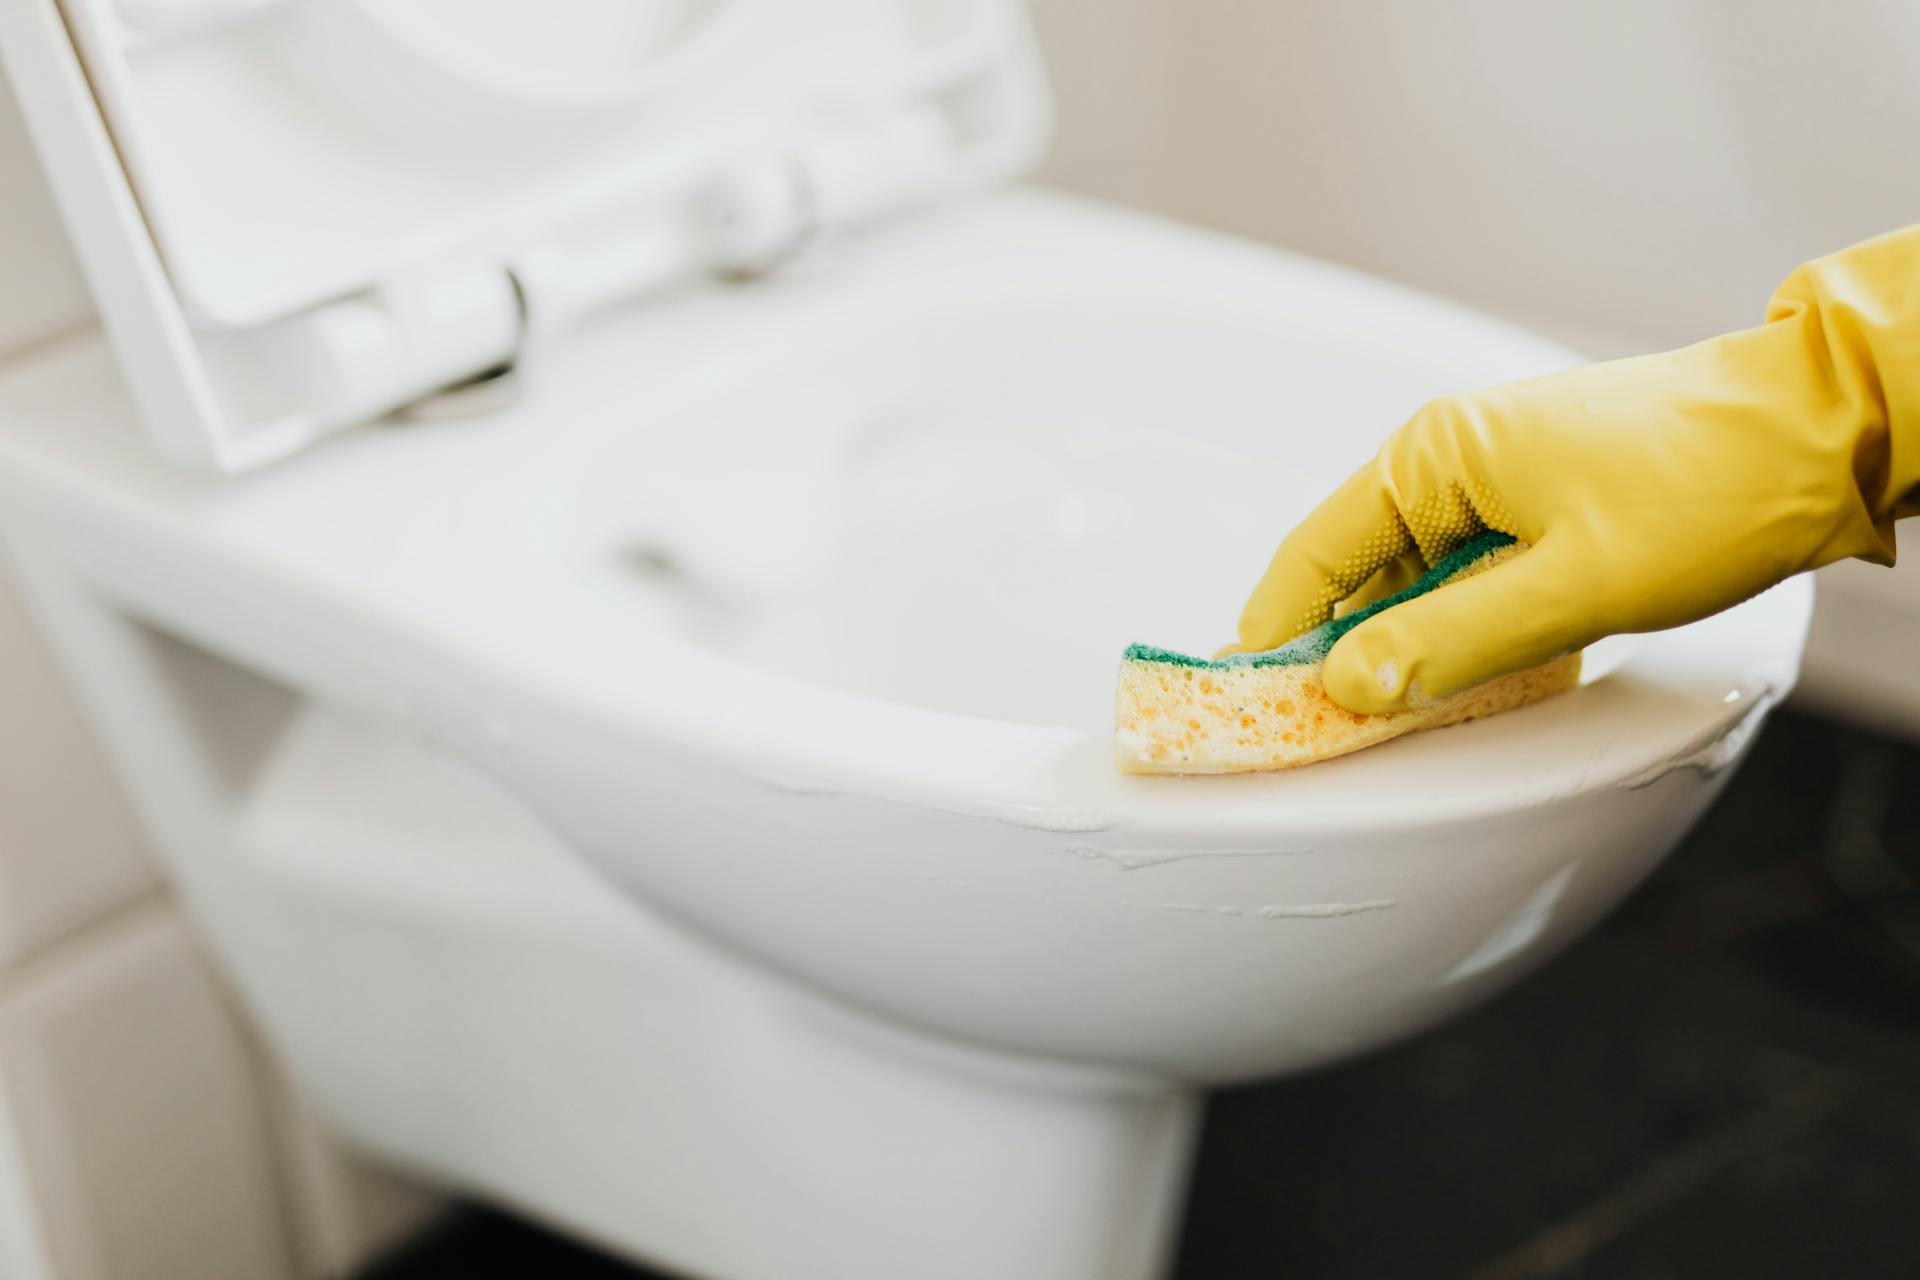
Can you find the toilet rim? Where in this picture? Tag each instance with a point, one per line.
(1687, 699)
(265, 588)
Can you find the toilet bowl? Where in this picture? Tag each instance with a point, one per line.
(683, 808)
(678, 801)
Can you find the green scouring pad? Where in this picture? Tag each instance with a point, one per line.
(1180, 714)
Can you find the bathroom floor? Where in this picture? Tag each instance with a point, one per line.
(1723, 1080)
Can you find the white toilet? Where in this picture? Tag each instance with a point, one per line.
(668, 788)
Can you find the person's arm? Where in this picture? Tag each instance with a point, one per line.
(1651, 491)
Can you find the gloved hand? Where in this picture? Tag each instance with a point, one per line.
(1651, 491)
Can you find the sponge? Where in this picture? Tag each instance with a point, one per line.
(1179, 714)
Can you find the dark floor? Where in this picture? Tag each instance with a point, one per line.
(1724, 1080)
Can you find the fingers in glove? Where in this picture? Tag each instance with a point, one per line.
(1516, 615)
(1333, 553)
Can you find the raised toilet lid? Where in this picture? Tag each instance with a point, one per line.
(298, 215)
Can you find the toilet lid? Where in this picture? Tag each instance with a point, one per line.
(272, 157)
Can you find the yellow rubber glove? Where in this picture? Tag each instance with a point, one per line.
(1650, 492)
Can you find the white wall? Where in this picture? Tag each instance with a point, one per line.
(1626, 176)
(1639, 172)
(40, 289)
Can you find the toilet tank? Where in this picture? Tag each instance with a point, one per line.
(1625, 176)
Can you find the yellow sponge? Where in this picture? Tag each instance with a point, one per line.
(1179, 714)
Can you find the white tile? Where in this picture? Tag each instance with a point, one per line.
(24, 1252)
(70, 848)
(1866, 629)
(346, 1208)
(140, 1116)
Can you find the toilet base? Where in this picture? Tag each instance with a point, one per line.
(462, 996)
